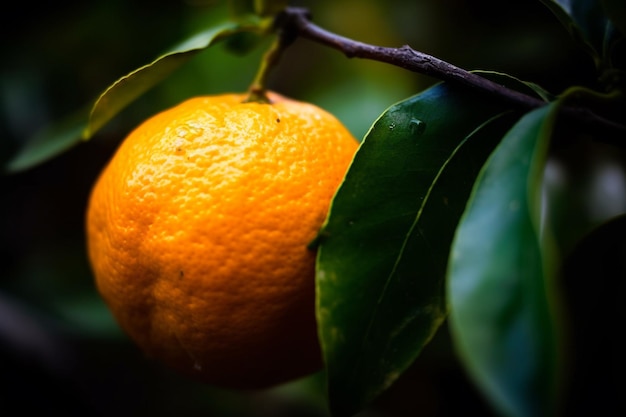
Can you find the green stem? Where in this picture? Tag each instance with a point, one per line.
(578, 92)
(258, 89)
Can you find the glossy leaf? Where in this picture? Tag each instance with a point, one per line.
(130, 87)
(383, 252)
(585, 20)
(514, 83)
(500, 277)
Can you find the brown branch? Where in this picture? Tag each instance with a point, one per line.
(298, 20)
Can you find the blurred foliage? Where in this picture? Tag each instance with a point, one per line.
(60, 349)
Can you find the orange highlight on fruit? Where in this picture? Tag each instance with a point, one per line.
(197, 235)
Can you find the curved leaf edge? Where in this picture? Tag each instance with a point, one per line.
(182, 52)
(436, 325)
(66, 133)
(518, 84)
(614, 21)
(49, 142)
(544, 239)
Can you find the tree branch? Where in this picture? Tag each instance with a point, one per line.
(298, 20)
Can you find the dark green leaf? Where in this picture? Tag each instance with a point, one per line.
(241, 8)
(509, 81)
(585, 20)
(383, 253)
(50, 142)
(68, 133)
(130, 87)
(500, 277)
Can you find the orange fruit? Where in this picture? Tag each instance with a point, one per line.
(197, 234)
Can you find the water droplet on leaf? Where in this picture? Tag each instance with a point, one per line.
(417, 126)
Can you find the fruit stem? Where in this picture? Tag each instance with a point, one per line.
(258, 90)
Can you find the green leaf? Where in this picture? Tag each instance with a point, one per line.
(67, 133)
(522, 86)
(130, 87)
(50, 142)
(500, 277)
(383, 252)
(242, 9)
(585, 20)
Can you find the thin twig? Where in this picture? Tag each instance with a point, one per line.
(299, 21)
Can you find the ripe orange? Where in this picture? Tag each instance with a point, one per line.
(197, 234)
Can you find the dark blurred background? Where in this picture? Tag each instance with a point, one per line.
(60, 350)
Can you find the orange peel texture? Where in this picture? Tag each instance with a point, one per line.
(197, 234)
